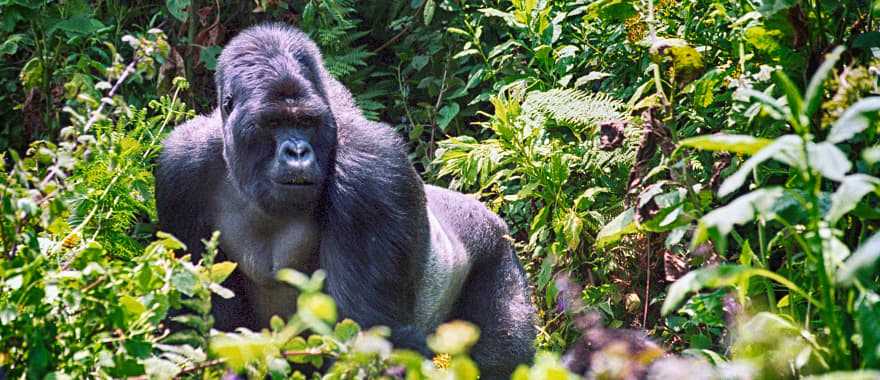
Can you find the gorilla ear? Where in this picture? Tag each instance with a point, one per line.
(227, 104)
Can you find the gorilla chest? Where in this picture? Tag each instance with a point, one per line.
(263, 247)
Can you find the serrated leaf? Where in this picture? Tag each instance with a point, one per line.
(742, 144)
(853, 120)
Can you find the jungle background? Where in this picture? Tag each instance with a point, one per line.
(691, 185)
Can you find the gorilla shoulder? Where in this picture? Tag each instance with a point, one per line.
(480, 230)
(191, 164)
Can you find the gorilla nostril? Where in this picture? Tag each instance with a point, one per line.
(297, 152)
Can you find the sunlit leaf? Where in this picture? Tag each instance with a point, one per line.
(743, 144)
(720, 222)
(238, 350)
(828, 160)
(782, 143)
(854, 120)
(848, 195)
(623, 224)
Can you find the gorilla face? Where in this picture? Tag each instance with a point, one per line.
(279, 132)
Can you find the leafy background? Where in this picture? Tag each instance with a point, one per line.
(687, 177)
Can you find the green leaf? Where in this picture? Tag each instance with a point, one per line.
(828, 160)
(770, 7)
(718, 277)
(863, 258)
(773, 105)
(868, 324)
(446, 114)
(813, 97)
(742, 144)
(293, 278)
(346, 330)
(80, 25)
(184, 281)
(867, 40)
(208, 56)
(10, 46)
(574, 225)
(719, 222)
(848, 195)
(684, 57)
(782, 144)
(795, 101)
(319, 305)
(177, 8)
(220, 271)
(239, 350)
(428, 13)
(854, 120)
(622, 224)
(132, 306)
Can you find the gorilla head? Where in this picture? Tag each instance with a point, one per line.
(279, 134)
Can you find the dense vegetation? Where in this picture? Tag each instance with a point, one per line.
(705, 171)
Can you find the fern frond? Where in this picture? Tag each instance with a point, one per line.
(574, 108)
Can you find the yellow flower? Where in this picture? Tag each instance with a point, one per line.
(441, 361)
(71, 240)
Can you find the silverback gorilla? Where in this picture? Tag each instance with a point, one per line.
(293, 176)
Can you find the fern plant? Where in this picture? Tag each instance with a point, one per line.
(541, 176)
(574, 108)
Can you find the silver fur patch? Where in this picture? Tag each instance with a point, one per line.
(445, 271)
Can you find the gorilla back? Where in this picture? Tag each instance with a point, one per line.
(293, 176)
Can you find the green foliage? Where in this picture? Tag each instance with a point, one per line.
(710, 145)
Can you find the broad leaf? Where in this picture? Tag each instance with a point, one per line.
(742, 144)
(623, 224)
(828, 160)
(719, 222)
(787, 143)
(848, 195)
(864, 257)
(854, 120)
(718, 277)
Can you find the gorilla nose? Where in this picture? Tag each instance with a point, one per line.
(297, 153)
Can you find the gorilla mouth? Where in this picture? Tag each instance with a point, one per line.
(296, 182)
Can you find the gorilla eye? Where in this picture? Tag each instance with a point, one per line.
(289, 100)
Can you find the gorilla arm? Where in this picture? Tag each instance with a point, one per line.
(375, 230)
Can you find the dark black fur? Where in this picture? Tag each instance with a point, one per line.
(365, 222)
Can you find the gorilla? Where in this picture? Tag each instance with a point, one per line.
(293, 176)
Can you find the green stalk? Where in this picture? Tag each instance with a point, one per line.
(765, 263)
